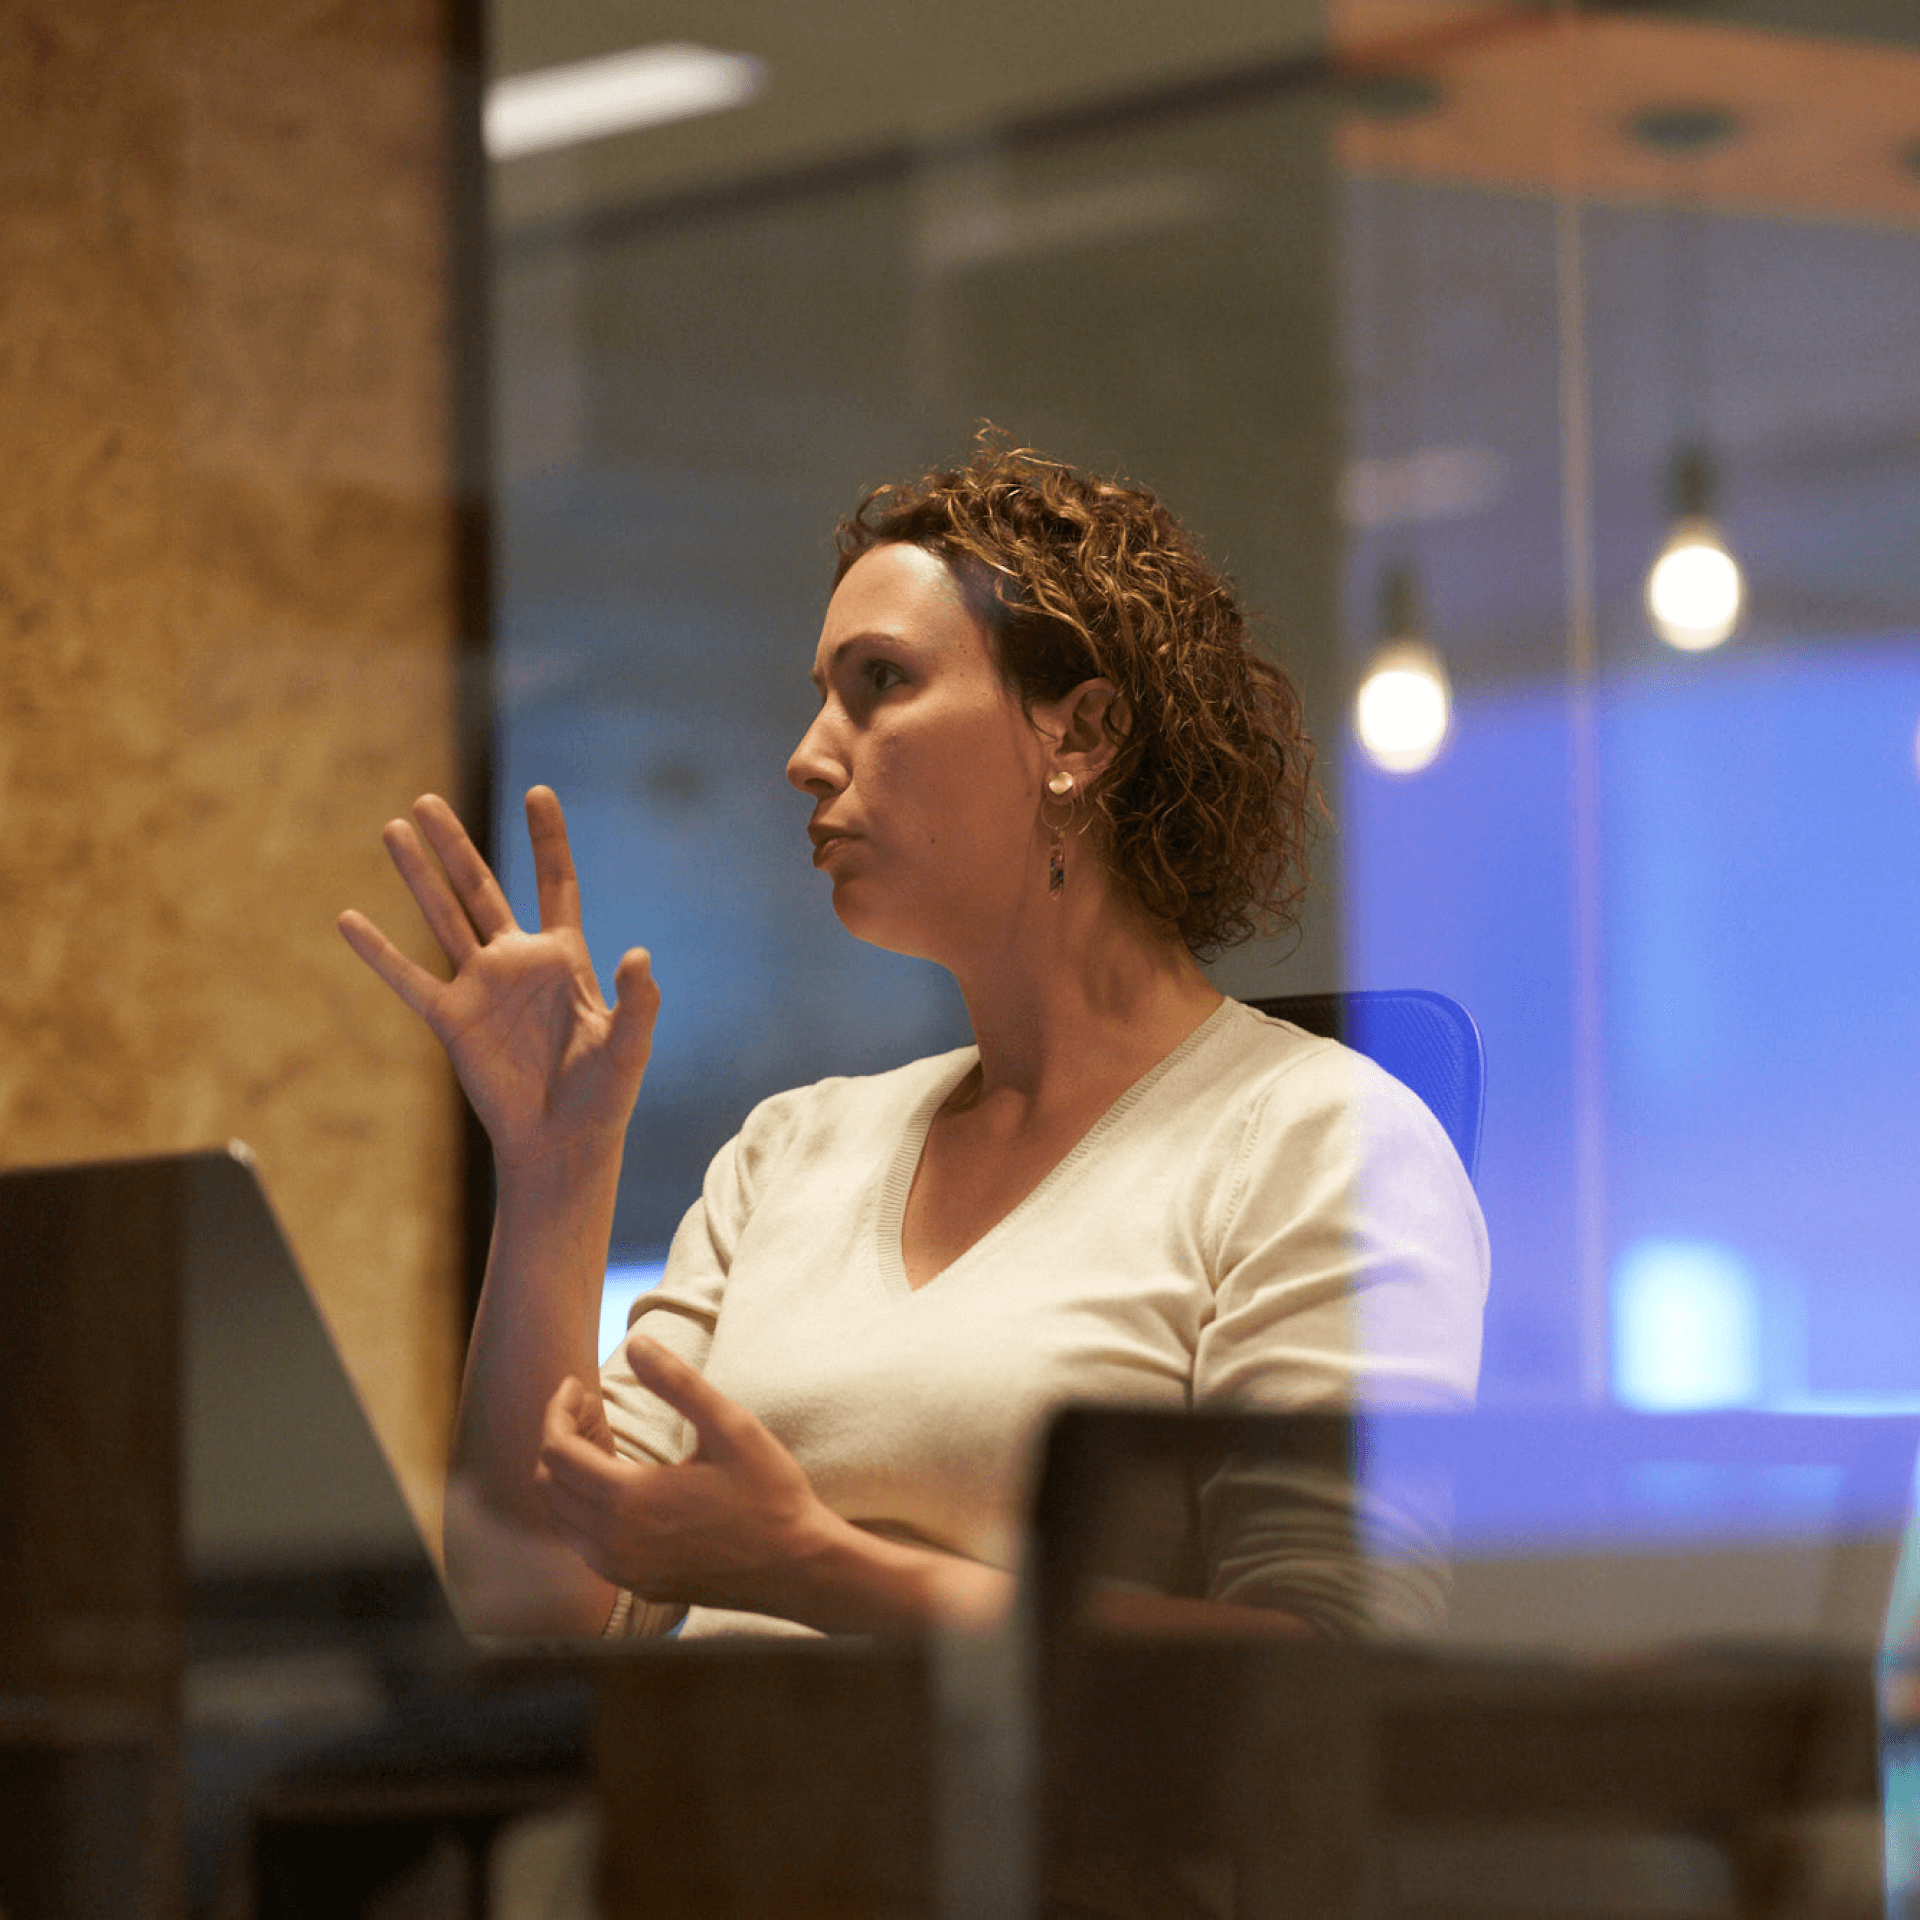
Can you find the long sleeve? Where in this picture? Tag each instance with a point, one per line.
(1351, 1273)
(682, 1313)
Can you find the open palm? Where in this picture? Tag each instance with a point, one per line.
(549, 1066)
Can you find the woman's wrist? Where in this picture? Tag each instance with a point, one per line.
(583, 1164)
(561, 1203)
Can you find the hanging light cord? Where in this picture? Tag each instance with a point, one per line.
(1576, 530)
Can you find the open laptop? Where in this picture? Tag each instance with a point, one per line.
(185, 1464)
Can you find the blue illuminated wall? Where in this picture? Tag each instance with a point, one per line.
(1759, 845)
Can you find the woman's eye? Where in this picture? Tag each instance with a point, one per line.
(882, 674)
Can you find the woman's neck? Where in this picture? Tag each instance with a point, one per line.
(1087, 994)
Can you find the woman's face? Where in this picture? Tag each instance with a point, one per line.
(925, 774)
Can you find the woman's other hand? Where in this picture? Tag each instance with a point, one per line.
(735, 1524)
(549, 1066)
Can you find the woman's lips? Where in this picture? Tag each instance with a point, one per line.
(826, 845)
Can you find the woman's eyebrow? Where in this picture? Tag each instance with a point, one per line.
(877, 637)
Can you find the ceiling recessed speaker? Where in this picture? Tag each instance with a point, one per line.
(1684, 129)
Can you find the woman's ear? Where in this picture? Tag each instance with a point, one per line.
(1086, 728)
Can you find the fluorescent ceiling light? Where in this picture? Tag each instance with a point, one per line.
(589, 99)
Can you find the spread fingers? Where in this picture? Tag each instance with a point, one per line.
(411, 981)
(471, 879)
(552, 860)
(446, 919)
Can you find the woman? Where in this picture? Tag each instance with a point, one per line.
(1047, 758)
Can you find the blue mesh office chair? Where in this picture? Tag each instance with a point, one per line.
(1425, 1040)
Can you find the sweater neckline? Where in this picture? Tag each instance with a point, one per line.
(897, 1182)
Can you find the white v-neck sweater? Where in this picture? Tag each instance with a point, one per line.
(1265, 1219)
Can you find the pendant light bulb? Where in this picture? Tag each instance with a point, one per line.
(1694, 590)
(1404, 709)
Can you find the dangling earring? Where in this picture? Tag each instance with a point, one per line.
(1061, 787)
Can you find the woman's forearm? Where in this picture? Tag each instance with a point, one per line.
(537, 1326)
(853, 1581)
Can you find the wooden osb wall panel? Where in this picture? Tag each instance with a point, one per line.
(227, 591)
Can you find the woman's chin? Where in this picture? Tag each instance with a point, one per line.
(862, 917)
(878, 921)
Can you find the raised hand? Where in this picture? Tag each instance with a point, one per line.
(550, 1067)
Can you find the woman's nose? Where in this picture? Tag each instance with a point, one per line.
(814, 767)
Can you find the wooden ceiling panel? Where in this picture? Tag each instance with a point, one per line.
(1824, 128)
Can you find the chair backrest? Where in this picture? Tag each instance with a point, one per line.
(1425, 1040)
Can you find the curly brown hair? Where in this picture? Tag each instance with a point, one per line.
(1077, 577)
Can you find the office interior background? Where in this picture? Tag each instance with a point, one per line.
(1432, 319)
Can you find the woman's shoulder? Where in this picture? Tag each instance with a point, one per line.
(842, 1102)
(1251, 1055)
(828, 1132)
(1309, 1122)
(1277, 1075)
